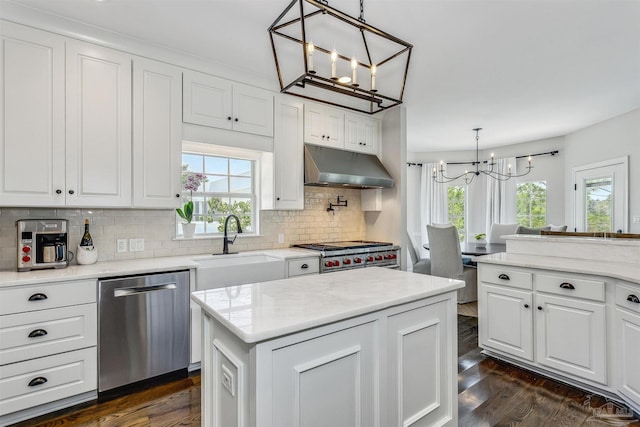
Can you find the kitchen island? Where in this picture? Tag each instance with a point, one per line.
(364, 347)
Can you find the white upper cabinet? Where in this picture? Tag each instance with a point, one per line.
(288, 155)
(98, 126)
(216, 102)
(361, 133)
(32, 115)
(323, 126)
(157, 134)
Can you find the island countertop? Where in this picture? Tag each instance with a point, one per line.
(261, 311)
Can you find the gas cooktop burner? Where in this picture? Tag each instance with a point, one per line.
(336, 246)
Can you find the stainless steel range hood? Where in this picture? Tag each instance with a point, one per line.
(330, 167)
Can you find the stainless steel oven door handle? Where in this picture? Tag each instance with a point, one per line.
(123, 292)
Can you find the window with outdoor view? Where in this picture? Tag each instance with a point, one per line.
(218, 186)
(531, 204)
(456, 208)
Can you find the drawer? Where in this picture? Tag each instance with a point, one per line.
(569, 285)
(38, 381)
(20, 299)
(506, 277)
(41, 333)
(628, 296)
(301, 266)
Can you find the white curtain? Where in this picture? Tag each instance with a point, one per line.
(501, 195)
(433, 202)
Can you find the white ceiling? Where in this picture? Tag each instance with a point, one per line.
(521, 69)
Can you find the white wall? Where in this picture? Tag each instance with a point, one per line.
(616, 137)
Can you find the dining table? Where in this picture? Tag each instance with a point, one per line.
(474, 249)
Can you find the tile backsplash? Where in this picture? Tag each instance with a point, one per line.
(158, 228)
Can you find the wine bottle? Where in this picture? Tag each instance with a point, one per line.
(86, 237)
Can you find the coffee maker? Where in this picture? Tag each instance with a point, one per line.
(42, 243)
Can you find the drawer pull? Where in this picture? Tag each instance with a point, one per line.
(566, 285)
(37, 381)
(633, 298)
(303, 266)
(37, 333)
(38, 297)
(504, 277)
(526, 306)
(540, 307)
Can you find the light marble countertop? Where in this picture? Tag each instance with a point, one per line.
(616, 270)
(261, 311)
(128, 267)
(569, 239)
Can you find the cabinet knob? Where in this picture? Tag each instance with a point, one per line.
(71, 191)
(540, 307)
(566, 285)
(277, 198)
(58, 191)
(633, 298)
(303, 266)
(38, 297)
(37, 333)
(526, 306)
(504, 277)
(322, 136)
(236, 119)
(37, 381)
(178, 195)
(228, 117)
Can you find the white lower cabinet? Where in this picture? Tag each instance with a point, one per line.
(627, 327)
(303, 266)
(571, 337)
(507, 320)
(48, 338)
(394, 367)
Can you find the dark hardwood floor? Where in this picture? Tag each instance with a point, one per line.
(491, 393)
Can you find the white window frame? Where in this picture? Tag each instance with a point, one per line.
(257, 157)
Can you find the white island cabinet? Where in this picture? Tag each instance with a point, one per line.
(365, 347)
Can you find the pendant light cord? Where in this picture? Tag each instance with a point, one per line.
(361, 18)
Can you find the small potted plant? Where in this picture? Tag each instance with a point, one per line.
(481, 240)
(191, 182)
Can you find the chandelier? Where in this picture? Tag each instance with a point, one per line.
(326, 55)
(439, 176)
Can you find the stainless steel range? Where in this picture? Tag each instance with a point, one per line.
(335, 256)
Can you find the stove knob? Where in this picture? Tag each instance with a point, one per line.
(379, 258)
(357, 260)
(394, 256)
(26, 249)
(336, 263)
(370, 259)
(328, 264)
(26, 258)
(346, 261)
(390, 256)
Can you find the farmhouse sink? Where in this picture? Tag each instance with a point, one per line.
(218, 271)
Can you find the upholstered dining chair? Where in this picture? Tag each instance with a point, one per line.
(498, 230)
(446, 261)
(420, 265)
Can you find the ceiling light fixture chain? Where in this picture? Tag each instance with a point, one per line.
(440, 176)
(361, 18)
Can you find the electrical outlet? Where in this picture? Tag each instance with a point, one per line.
(280, 237)
(136, 245)
(122, 245)
(636, 219)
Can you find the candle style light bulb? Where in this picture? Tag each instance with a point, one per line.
(354, 74)
(529, 160)
(434, 172)
(491, 157)
(441, 165)
(509, 169)
(310, 49)
(334, 57)
(373, 78)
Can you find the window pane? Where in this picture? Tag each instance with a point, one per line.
(531, 204)
(239, 167)
(218, 206)
(455, 201)
(217, 184)
(240, 185)
(191, 162)
(216, 165)
(599, 204)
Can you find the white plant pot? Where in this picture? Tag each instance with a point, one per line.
(188, 230)
(86, 255)
(482, 243)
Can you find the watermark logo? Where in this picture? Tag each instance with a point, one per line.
(612, 413)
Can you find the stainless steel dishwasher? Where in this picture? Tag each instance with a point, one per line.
(143, 324)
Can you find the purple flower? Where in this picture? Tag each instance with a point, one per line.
(193, 181)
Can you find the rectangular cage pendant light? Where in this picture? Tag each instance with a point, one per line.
(325, 55)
